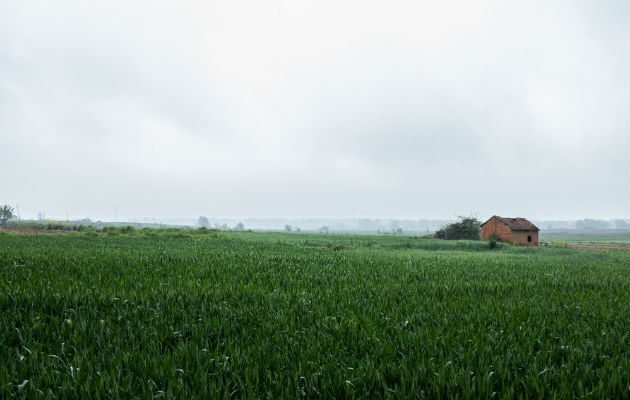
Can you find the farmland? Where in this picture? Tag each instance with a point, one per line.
(601, 238)
(178, 314)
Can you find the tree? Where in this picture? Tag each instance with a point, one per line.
(324, 229)
(588, 223)
(288, 228)
(6, 213)
(239, 227)
(467, 228)
(203, 222)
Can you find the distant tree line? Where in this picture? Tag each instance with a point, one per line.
(588, 223)
(204, 222)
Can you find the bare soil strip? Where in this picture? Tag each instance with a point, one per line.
(31, 231)
(594, 246)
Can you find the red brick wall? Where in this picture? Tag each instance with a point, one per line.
(494, 227)
(521, 237)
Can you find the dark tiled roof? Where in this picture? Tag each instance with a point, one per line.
(515, 224)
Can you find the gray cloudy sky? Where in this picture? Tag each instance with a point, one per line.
(315, 108)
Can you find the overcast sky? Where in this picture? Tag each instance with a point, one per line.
(289, 108)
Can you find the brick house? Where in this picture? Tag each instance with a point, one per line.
(513, 230)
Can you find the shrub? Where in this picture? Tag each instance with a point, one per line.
(466, 228)
(127, 230)
(90, 228)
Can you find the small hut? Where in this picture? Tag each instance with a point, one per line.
(513, 230)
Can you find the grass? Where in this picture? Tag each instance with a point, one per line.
(595, 240)
(585, 237)
(192, 314)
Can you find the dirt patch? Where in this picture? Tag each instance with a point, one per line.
(599, 246)
(31, 231)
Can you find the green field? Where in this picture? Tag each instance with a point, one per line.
(593, 237)
(179, 314)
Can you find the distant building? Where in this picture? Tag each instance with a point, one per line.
(513, 230)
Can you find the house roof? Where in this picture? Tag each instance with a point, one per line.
(515, 224)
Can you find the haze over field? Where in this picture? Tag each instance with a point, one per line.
(315, 109)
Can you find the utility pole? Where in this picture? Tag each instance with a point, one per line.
(18, 211)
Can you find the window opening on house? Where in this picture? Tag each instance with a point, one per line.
(529, 239)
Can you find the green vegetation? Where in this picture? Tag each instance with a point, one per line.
(601, 237)
(6, 213)
(47, 225)
(180, 314)
(465, 228)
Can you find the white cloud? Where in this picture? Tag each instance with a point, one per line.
(314, 108)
